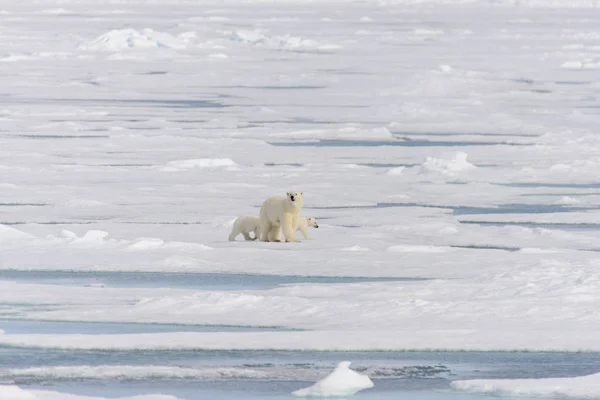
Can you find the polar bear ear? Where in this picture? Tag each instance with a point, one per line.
(302, 193)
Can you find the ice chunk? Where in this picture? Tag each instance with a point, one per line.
(341, 382)
(448, 166)
(581, 387)
(122, 39)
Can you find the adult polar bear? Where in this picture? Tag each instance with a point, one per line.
(280, 213)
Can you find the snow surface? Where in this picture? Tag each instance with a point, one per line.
(581, 387)
(16, 393)
(341, 382)
(449, 148)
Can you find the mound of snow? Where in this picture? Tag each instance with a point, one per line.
(67, 234)
(341, 382)
(590, 63)
(447, 166)
(582, 387)
(93, 237)
(123, 39)
(285, 42)
(8, 233)
(182, 165)
(396, 171)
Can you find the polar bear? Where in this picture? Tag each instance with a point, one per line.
(303, 223)
(245, 225)
(250, 223)
(280, 212)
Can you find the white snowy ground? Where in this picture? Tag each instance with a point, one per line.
(16, 393)
(583, 387)
(133, 134)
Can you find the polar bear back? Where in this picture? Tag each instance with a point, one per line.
(248, 222)
(274, 207)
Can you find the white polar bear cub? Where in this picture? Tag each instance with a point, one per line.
(303, 224)
(245, 225)
(280, 212)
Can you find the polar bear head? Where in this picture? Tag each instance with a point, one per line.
(296, 199)
(310, 221)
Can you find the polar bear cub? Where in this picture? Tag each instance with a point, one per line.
(245, 225)
(280, 212)
(303, 224)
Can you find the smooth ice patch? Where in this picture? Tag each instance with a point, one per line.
(124, 39)
(582, 387)
(16, 393)
(355, 248)
(184, 165)
(407, 248)
(146, 244)
(340, 383)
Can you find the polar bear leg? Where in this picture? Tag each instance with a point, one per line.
(246, 235)
(274, 233)
(265, 228)
(287, 225)
(235, 230)
(304, 231)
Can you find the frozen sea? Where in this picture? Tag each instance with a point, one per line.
(449, 150)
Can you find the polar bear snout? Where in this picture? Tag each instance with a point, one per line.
(295, 198)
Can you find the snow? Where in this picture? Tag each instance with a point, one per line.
(16, 393)
(580, 387)
(448, 149)
(341, 382)
(200, 163)
(281, 42)
(123, 39)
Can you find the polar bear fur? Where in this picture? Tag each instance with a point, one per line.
(251, 224)
(303, 224)
(280, 213)
(245, 225)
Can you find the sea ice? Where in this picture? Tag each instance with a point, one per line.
(16, 393)
(450, 166)
(122, 39)
(340, 383)
(581, 387)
